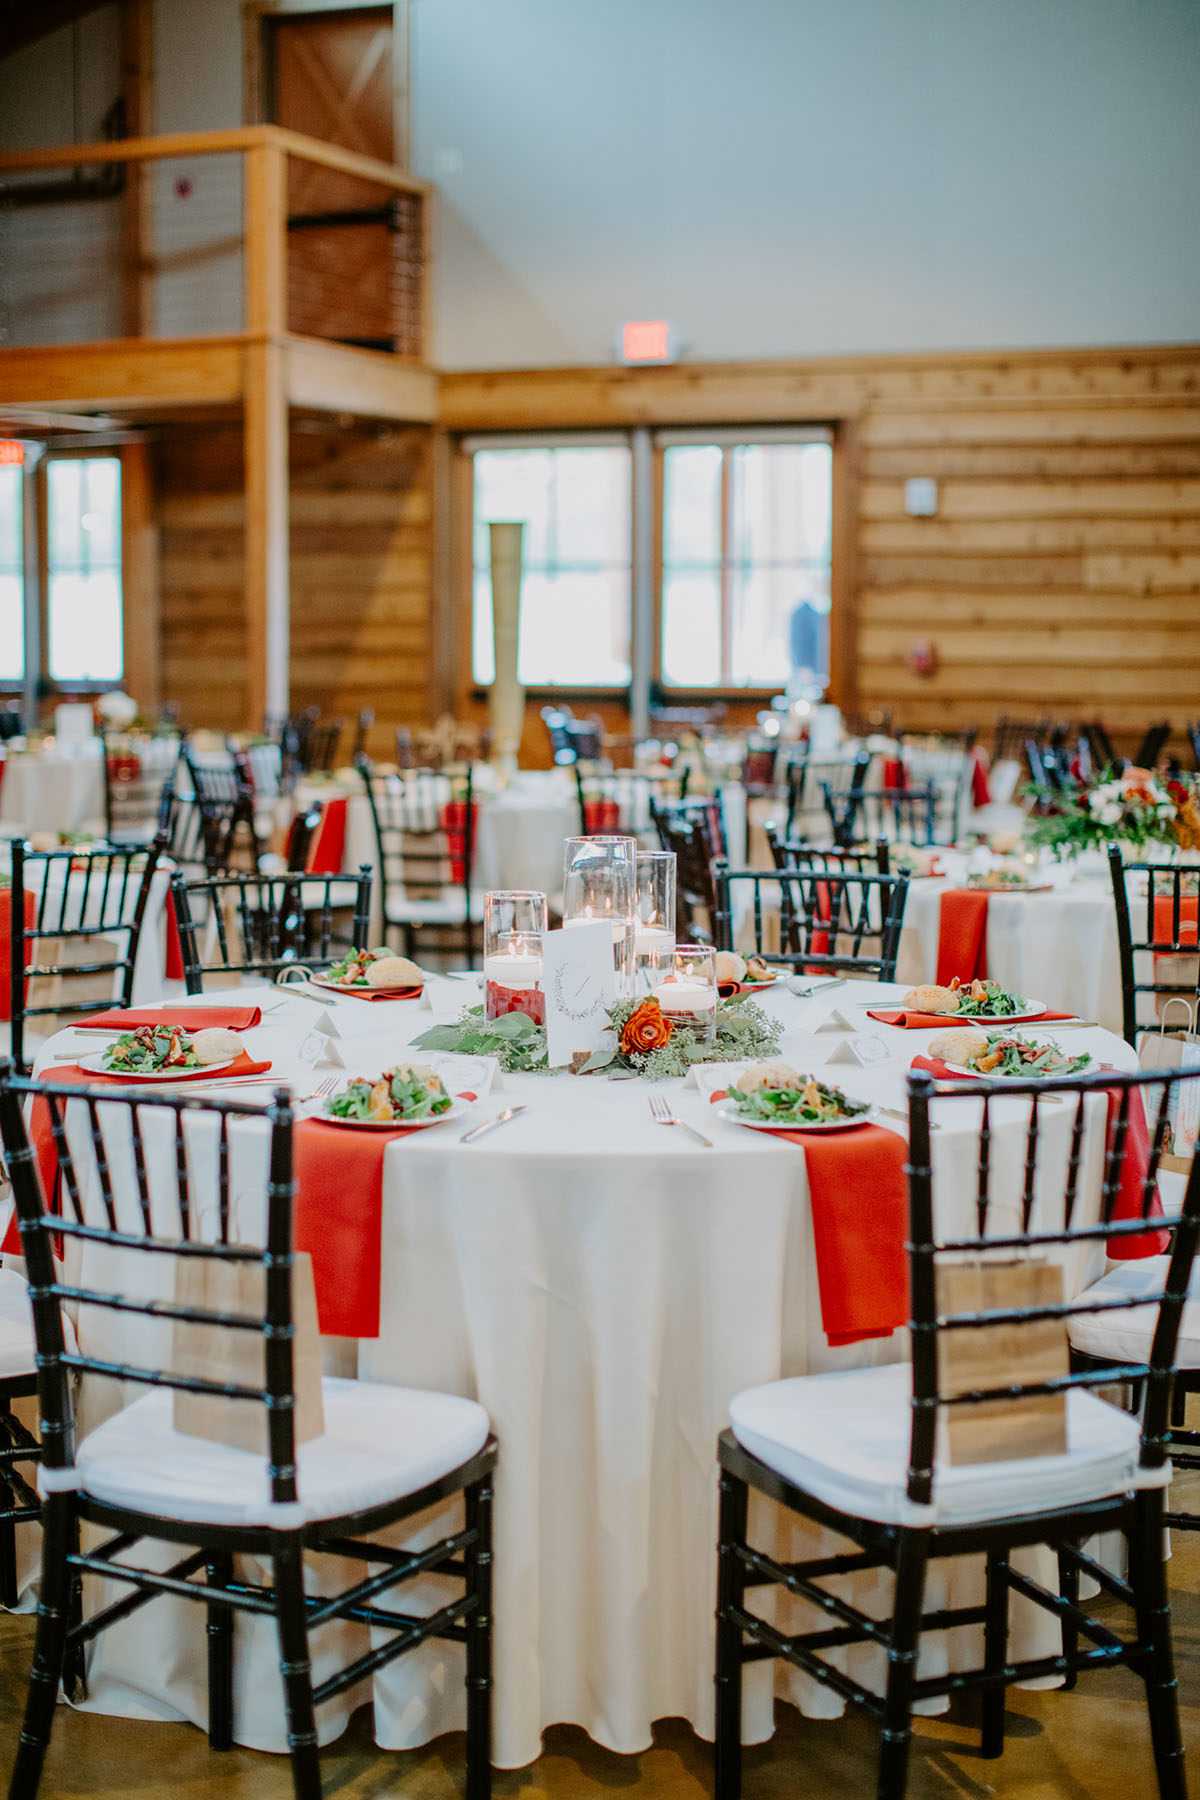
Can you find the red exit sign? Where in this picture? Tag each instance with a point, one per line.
(647, 341)
(12, 452)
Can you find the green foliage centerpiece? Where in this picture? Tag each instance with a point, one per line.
(642, 1041)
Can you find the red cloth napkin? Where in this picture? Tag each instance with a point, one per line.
(858, 1191)
(173, 965)
(6, 945)
(327, 852)
(601, 817)
(454, 826)
(408, 993)
(338, 1218)
(909, 1021)
(1136, 1160)
(962, 936)
(184, 1018)
(895, 775)
(981, 793)
(1164, 919)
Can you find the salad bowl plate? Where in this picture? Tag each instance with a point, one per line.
(457, 1109)
(728, 1109)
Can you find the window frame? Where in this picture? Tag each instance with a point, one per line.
(36, 560)
(842, 438)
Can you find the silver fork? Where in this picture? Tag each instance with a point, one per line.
(661, 1113)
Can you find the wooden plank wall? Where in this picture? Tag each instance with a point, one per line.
(360, 507)
(1061, 574)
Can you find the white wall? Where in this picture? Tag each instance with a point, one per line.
(775, 177)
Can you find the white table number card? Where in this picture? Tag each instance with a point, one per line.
(580, 985)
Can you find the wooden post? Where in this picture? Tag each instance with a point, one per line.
(137, 220)
(843, 572)
(139, 578)
(266, 437)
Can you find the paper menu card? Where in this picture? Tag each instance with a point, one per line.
(579, 979)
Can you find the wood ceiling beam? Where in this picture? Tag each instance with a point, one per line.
(22, 24)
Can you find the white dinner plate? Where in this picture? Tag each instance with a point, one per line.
(1033, 1009)
(992, 1075)
(728, 1110)
(1033, 887)
(95, 1066)
(455, 1110)
(362, 988)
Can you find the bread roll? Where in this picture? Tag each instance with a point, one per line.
(931, 999)
(730, 966)
(957, 1046)
(768, 1075)
(214, 1045)
(394, 972)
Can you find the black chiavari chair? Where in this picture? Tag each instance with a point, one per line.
(321, 746)
(903, 815)
(1152, 745)
(796, 853)
(1159, 923)
(1193, 732)
(138, 1480)
(362, 731)
(1013, 737)
(424, 823)
(225, 795)
(238, 924)
(133, 782)
(869, 1455)
(807, 778)
(92, 899)
(824, 919)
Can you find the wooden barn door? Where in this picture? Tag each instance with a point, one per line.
(333, 75)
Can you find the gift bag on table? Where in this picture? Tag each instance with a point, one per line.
(1172, 1048)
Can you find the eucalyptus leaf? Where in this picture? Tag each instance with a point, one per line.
(599, 1059)
(513, 1025)
(440, 1037)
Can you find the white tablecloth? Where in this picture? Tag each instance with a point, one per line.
(604, 1287)
(48, 790)
(1059, 946)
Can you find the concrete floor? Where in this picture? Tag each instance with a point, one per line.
(1090, 1744)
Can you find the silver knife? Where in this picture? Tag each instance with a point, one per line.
(501, 1118)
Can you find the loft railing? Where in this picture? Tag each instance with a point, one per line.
(258, 231)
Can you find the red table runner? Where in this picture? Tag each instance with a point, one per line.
(1134, 1164)
(339, 1219)
(6, 946)
(919, 1021)
(962, 936)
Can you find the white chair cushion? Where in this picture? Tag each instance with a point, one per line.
(380, 1443)
(1126, 1336)
(16, 1327)
(845, 1439)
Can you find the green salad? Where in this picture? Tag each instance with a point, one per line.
(986, 1000)
(400, 1096)
(150, 1050)
(1008, 1054)
(807, 1102)
(352, 970)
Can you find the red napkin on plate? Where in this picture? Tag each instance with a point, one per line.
(962, 936)
(6, 946)
(338, 1218)
(981, 792)
(408, 993)
(327, 852)
(184, 1018)
(858, 1192)
(1136, 1161)
(910, 1021)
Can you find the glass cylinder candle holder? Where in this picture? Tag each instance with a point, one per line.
(654, 926)
(513, 923)
(600, 883)
(688, 995)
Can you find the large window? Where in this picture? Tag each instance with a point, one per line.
(575, 597)
(12, 579)
(78, 518)
(84, 639)
(743, 530)
(745, 586)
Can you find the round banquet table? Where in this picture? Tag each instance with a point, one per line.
(49, 790)
(1061, 942)
(604, 1287)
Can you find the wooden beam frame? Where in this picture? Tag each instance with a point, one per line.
(265, 435)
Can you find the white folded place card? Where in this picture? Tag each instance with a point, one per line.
(446, 999)
(580, 986)
(862, 1051)
(836, 1021)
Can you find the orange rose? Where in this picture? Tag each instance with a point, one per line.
(645, 1029)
